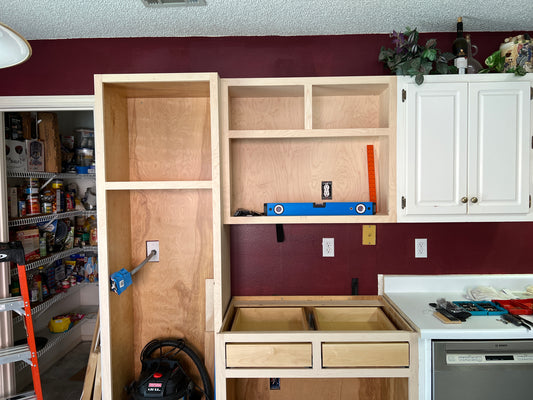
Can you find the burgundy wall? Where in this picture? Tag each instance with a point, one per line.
(260, 265)
(67, 66)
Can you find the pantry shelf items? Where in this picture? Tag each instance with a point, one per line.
(50, 199)
(49, 217)
(54, 340)
(57, 256)
(45, 305)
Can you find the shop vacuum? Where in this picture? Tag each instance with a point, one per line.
(163, 375)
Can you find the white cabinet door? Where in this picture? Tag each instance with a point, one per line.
(498, 147)
(436, 148)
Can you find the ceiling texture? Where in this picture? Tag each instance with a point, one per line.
(67, 19)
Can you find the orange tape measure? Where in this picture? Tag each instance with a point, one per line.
(371, 173)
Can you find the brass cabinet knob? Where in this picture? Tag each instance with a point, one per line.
(473, 200)
(464, 199)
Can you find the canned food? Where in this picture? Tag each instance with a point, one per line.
(30, 190)
(33, 205)
(42, 246)
(46, 207)
(33, 182)
(22, 208)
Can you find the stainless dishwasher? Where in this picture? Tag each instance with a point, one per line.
(484, 370)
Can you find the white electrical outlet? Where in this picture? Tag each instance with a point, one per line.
(328, 247)
(421, 248)
(152, 245)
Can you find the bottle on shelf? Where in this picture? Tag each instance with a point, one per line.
(473, 65)
(14, 288)
(58, 202)
(460, 48)
(38, 287)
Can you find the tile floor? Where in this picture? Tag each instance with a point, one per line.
(64, 380)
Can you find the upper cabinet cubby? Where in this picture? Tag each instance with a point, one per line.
(266, 107)
(350, 106)
(283, 137)
(157, 131)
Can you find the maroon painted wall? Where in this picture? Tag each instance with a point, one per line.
(260, 265)
(67, 66)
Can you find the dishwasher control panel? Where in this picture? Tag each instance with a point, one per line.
(500, 358)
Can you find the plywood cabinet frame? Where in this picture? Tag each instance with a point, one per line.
(307, 100)
(160, 199)
(325, 117)
(403, 339)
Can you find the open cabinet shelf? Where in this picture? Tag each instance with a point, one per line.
(282, 137)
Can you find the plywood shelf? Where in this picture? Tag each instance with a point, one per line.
(307, 133)
(310, 219)
(159, 185)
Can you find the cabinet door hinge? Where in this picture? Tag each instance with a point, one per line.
(404, 95)
(403, 202)
(531, 93)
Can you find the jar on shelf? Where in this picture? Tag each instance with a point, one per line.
(33, 204)
(58, 202)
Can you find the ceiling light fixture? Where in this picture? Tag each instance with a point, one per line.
(14, 49)
(158, 3)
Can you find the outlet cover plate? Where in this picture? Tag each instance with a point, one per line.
(328, 247)
(421, 248)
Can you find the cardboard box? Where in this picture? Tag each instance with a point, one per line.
(16, 156)
(30, 242)
(12, 201)
(35, 151)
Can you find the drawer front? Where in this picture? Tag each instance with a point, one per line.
(269, 355)
(360, 355)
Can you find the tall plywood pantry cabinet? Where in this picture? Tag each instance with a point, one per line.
(158, 179)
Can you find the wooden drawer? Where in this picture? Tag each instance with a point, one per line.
(268, 355)
(269, 319)
(365, 354)
(351, 319)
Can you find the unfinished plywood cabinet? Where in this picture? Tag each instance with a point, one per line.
(305, 340)
(157, 154)
(162, 177)
(282, 137)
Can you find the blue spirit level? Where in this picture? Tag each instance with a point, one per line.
(330, 208)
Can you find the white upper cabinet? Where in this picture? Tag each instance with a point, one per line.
(464, 147)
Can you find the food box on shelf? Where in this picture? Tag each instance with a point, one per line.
(35, 154)
(30, 241)
(16, 156)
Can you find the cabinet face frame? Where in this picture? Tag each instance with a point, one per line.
(498, 210)
(255, 164)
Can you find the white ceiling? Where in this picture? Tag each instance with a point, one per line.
(65, 19)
